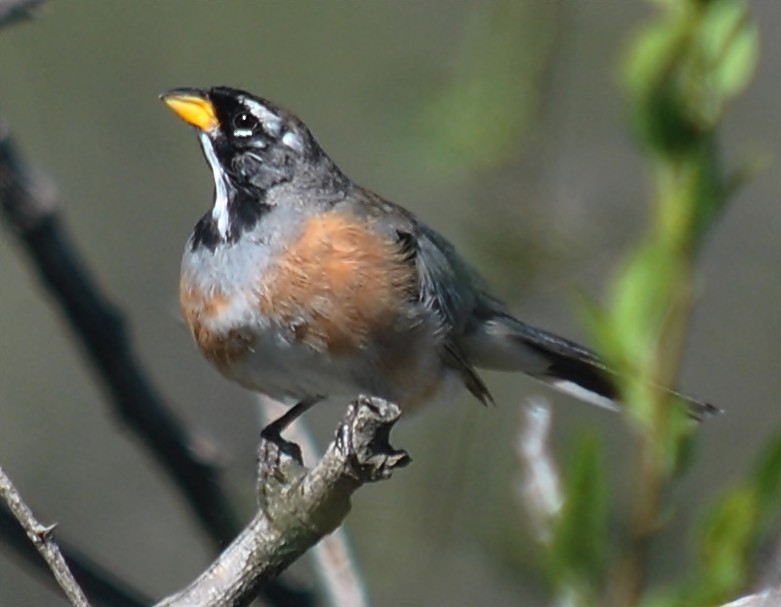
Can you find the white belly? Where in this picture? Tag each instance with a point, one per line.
(285, 369)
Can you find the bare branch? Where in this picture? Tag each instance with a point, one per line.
(103, 587)
(298, 506)
(41, 537)
(332, 557)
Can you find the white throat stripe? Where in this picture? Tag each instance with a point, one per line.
(221, 186)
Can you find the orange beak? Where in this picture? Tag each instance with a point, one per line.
(192, 106)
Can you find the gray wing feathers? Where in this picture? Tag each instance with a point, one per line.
(445, 286)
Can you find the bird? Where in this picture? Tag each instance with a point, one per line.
(302, 285)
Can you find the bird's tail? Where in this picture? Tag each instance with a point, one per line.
(504, 343)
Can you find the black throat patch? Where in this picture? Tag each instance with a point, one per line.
(245, 210)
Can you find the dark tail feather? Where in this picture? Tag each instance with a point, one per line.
(505, 343)
(593, 383)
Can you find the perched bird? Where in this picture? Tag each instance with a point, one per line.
(300, 284)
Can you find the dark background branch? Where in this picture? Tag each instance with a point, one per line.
(102, 586)
(12, 11)
(102, 333)
(29, 207)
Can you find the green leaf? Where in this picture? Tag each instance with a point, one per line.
(725, 540)
(730, 46)
(732, 531)
(641, 299)
(684, 69)
(579, 541)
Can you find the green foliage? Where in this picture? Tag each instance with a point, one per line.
(578, 548)
(724, 545)
(680, 75)
(682, 71)
(732, 530)
(766, 478)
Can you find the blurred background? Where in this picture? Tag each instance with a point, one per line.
(499, 123)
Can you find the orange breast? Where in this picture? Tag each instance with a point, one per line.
(340, 285)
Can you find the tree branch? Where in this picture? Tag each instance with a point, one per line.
(100, 585)
(332, 559)
(298, 506)
(41, 537)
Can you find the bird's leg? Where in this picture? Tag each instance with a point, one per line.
(272, 433)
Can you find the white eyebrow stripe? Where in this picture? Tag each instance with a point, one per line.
(270, 121)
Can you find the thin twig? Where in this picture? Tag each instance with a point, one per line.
(41, 537)
(103, 587)
(333, 561)
(298, 506)
(538, 488)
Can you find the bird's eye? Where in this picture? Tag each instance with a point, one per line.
(244, 123)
